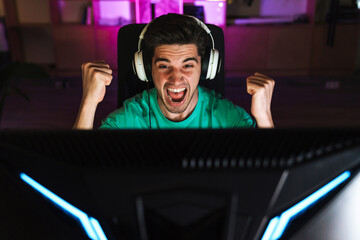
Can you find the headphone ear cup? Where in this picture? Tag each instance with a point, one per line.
(210, 64)
(214, 64)
(138, 66)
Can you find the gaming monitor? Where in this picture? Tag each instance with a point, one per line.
(171, 184)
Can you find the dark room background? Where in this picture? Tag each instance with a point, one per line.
(310, 48)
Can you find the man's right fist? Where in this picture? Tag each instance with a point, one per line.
(95, 77)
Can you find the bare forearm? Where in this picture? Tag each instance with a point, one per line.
(265, 121)
(86, 115)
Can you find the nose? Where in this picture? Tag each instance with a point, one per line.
(176, 75)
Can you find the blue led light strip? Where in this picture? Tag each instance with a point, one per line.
(278, 224)
(91, 225)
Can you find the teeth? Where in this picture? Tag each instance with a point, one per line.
(176, 90)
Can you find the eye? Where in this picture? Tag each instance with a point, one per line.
(189, 66)
(163, 66)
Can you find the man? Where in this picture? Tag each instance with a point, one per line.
(175, 46)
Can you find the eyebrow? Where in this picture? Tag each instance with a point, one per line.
(191, 59)
(167, 60)
(161, 60)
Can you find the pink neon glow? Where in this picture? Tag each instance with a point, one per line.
(168, 6)
(215, 12)
(116, 12)
(181, 6)
(137, 11)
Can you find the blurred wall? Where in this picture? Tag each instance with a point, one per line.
(2, 12)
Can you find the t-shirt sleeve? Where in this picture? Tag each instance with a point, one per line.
(236, 116)
(127, 117)
(226, 114)
(244, 119)
(114, 120)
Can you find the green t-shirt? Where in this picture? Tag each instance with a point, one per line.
(211, 111)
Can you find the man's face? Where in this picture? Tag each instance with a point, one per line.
(176, 72)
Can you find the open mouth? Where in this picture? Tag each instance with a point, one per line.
(176, 95)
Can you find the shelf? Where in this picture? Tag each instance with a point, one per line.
(98, 27)
(33, 12)
(71, 25)
(73, 43)
(79, 11)
(31, 25)
(114, 1)
(195, 1)
(72, 0)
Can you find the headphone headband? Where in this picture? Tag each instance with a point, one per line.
(203, 25)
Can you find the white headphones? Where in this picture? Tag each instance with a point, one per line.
(210, 65)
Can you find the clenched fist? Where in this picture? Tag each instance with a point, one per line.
(95, 76)
(261, 88)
